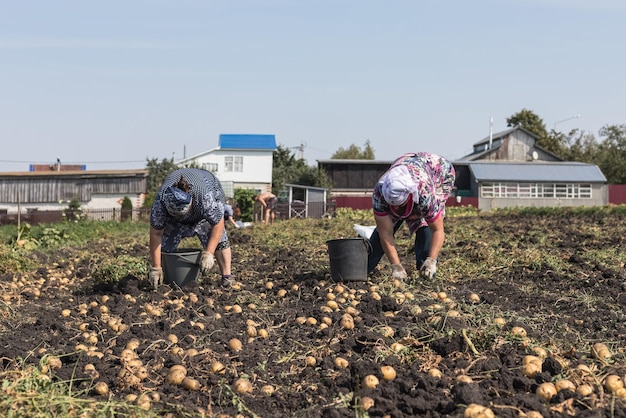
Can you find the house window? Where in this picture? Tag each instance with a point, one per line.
(233, 164)
(212, 167)
(584, 191)
(536, 190)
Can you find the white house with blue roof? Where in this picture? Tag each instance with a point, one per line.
(242, 161)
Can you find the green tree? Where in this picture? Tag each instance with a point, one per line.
(289, 169)
(354, 153)
(74, 211)
(612, 153)
(244, 199)
(529, 120)
(580, 146)
(127, 208)
(157, 171)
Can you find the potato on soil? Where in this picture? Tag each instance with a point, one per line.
(601, 351)
(564, 384)
(546, 391)
(370, 381)
(176, 375)
(366, 403)
(531, 369)
(584, 389)
(341, 362)
(477, 411)
(190, 384)
(101, 388)
(388, 372)
(518, 331)
(218, 367)
(347, 321)
(242, 386)
(235, 344)
(613, 383)
(268, 390)
(463, 378)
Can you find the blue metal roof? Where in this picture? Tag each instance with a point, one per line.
(538, 171)
(247, 141)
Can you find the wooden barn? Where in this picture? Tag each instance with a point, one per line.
(43, 191)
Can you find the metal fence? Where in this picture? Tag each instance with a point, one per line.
(35, 217)
(299, 210)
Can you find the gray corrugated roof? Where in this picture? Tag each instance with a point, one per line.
(497, 135)
(480, 154)
(537, 171)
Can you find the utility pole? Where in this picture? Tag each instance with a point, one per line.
(300, 149)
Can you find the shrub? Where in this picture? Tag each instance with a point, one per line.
(111, 270)
(127, 208)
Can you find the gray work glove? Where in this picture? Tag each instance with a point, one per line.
(207, 262)
(398, 272)
(156, 276)
(429, 268)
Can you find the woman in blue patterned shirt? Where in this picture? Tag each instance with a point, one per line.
(190, 202)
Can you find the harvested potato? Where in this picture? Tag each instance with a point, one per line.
(190, 384)
(370, 381)
(546, 391)
(242, 386)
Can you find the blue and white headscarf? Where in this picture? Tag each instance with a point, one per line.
(176, 201)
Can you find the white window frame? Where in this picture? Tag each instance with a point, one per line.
(233, 163)
(513, 190)
(212, 167)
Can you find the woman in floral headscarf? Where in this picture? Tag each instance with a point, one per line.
(414, 190)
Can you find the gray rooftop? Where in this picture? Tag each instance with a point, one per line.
(537, 172)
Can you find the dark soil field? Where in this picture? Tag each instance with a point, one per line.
(509, 286)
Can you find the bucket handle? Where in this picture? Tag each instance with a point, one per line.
(186, 261)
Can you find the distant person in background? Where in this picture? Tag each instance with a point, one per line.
(268, 200)
(229, 215)
(190, 202)
(237, 216)
(414, 190)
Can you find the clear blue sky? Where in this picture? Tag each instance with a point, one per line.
(106, 82)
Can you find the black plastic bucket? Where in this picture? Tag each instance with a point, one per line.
(181, 266)
(348, 258)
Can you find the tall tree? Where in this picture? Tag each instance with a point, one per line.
(530, 121)
(354, 152)
(580, 146)
(612, 153)
(157, 171)
(289, 169)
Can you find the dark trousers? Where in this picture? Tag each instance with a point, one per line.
(422, 246)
